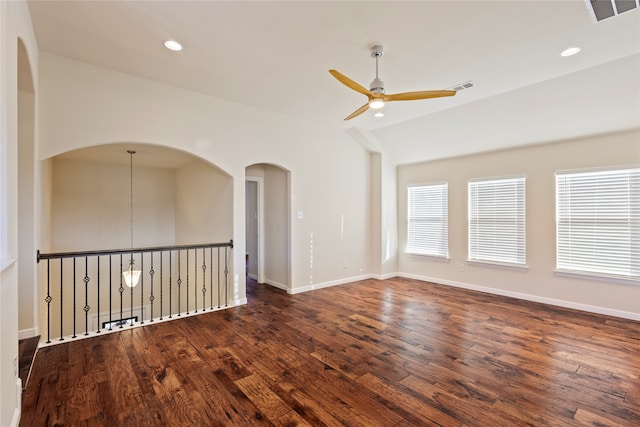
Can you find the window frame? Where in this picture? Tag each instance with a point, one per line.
(565, 267)
(476, 254)
(443, 252)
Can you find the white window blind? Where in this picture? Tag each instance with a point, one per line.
(598, 222)
(428, 222)
(497, 221)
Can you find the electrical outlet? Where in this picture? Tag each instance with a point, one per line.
(345, 264)
(461, 267)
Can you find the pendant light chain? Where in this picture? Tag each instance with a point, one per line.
(131, 152)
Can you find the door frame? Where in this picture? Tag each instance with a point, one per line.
(260, 205)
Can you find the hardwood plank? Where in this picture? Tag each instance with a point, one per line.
(398, 352)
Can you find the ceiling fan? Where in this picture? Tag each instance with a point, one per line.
(375, 93)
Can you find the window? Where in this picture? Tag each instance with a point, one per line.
(598, 222)
(497, 221)
(428, 223)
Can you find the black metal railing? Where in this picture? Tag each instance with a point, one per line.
(86, 292)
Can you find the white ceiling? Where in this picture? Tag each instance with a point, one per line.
(276, 56)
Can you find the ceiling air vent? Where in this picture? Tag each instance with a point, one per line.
(461, 86)
(603, 9)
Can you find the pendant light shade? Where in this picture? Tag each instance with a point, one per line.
(131, 276)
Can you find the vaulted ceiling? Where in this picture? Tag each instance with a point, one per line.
(276, 56)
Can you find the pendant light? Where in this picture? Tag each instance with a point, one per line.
(131, 276)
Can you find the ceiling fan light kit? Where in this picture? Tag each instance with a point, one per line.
(376, 94)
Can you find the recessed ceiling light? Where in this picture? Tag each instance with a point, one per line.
(379, 114)
(172, 45)
(570, 51)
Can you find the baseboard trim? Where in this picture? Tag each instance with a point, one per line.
(276, 284)
(17, 412)
(329, 284)
(27, 333)
(527, 297)
(92, 334)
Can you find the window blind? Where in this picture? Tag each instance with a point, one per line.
(598, 222)
(497, 220)
(428, 220)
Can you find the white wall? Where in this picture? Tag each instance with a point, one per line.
(27, 286)
(276, 233)
(15, 23)
(204, 204)
(538, 163)
(91, 206)
(83, 105)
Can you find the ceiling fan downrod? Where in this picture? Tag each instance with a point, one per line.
(377, 85)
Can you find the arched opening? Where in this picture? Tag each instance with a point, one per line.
(177, 200)
(268, 225)
(27, 227)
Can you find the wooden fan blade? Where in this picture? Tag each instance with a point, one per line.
(349, 83)
(412, 96)
(359, 111)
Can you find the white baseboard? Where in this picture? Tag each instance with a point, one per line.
(165, 318)
(276, 284)
(527, 297)
(27, 333)
(17, 412)
(252, 276)
(315, 286)
(384, 276)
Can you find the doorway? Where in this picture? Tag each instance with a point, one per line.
(254, 210)
(268, 225)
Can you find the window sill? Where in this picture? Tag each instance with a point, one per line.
(506, 265)
(433, 257)
(595, 276)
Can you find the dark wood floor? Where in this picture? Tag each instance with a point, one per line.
(373, 353)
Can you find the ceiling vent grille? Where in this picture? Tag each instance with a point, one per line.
(604, 9)
(461, 86)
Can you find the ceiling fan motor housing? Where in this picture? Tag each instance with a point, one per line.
(377, 86)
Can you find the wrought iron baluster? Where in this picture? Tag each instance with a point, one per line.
(161, 285)
(131, 294)
(74, 297)
(187, 294)
(61, 300)
(99, 328)
(151, 297)
(48, 300)
(195, 279)
(110, 290)
(226, 278)
(86, 307)
(204, 284)
(218, 277)
(170, 283)
(179, 282)
(121, 290)
(211, 277)
(141, 288)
